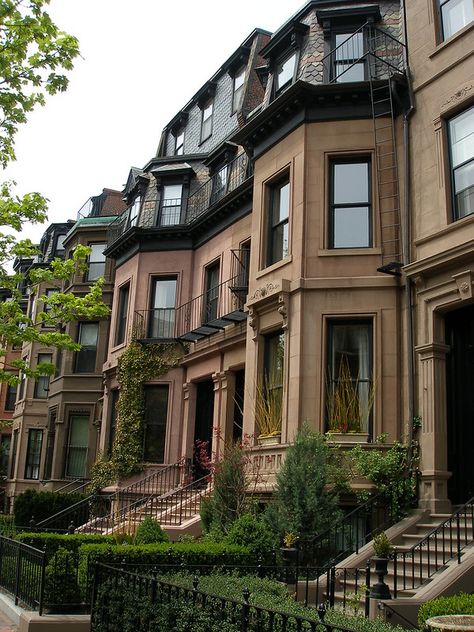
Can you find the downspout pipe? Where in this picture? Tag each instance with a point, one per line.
(407, 241)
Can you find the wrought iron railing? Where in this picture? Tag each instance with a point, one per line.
(22, 573)
(369, 52)
(174, 212)
(125, 585)
(349, 534)
(218, 186)
(210, 309)
(88, 513)
(446, 542)
(155, 323)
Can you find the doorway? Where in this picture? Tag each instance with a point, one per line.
(203, 426)
(460, 403)
(238, 418)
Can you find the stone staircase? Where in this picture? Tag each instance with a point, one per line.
(428, 549)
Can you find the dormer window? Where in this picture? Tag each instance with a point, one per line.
(60, 245)
(179, 142)
(171, 204)
(285, 73)
(206, 121)
(134, 211)
(238, 90)
(349, 60)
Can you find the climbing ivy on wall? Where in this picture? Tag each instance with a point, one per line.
(137, 365)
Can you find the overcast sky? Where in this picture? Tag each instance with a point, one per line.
(141, 62)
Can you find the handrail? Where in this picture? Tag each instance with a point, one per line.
(439, 554)
(144, 486)
(343, 538)
(69, 483)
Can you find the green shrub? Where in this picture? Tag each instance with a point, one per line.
(7, 525)
(61, 586)
(149, 532)
(41, 505)
(303, 503)
(457, 604)
(252, 532)
(51, 542)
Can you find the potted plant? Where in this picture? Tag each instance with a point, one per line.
(347, 413)
(382, 549)
(289, 551)
(268, 410)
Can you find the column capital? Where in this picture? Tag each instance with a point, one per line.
(432, 350)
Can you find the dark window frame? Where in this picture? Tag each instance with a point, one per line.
(179, 149)
(122, 314)
(439, 7)
(86, 348)
(350, 30)
(268, 359)
(69, 447)
(211, 295)
(33, 454)
(237, 104)
(113, 403)
(14, 452)
(355, 321)
(87, 276)
(358, 159)
(10, 397)
(154, 421)
(272, 192)
(42, 381)
(277, 91)
(134, 212)
(205, 106)
(169, 313)
(177, 214)
(454, 205)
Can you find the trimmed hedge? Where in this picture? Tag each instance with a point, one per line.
(51, 542)
(457, 604)
(41, 505)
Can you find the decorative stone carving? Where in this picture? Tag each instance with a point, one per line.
(464, 284)
(459, 96)
(282, 309)
(262, 292)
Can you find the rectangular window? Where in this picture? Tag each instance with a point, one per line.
(10, 398)
(33, 454)
(179, 142)
(50, 441)
(461, 141)
(122, 313)
(48, 293)
(87, 356)
(77, 447)
(171, 204)
(22, 385)
(4, 454)
(219, 184)
(270, 395)
(156, 413)
(211, 294)
(278, 218)
(351, 210)
(163, 308)
(134, 212)
(60, 245)
(349, 388)
(96, 262)
(455, 15)
(238, 90)
(14, 453)
(348, 57)
(42, 381)
(285, 73)
(206, 120)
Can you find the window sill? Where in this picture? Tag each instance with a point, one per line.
(349, 252)
(119, 346)
(274, 266)
(445, 43)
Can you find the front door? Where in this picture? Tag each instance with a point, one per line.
(203, 427)
(460, 400)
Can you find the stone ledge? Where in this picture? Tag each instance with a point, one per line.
(32, 622)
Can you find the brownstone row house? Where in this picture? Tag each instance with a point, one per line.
(308, 213)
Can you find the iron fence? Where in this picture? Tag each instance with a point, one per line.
(143, 600)
(22, 573)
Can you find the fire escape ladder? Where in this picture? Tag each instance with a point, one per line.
(381, 72)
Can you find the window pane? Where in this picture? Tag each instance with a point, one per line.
(464, 189)
(96, 261)
(86, 357)
(165, 293)
(281, 204)
(88, 333)
(350, 72)
(162, 317)
(206, 127)
(42, 382)
(76, 458)
(285, 71)
(350, 375)
(33, 454)
(156, 407)
(122, 315)
(179, 143)
(171, 204)
(461, 132)
(351, 183)
(456, 14)
(351, 227)
(211, 299)
(349, 46)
